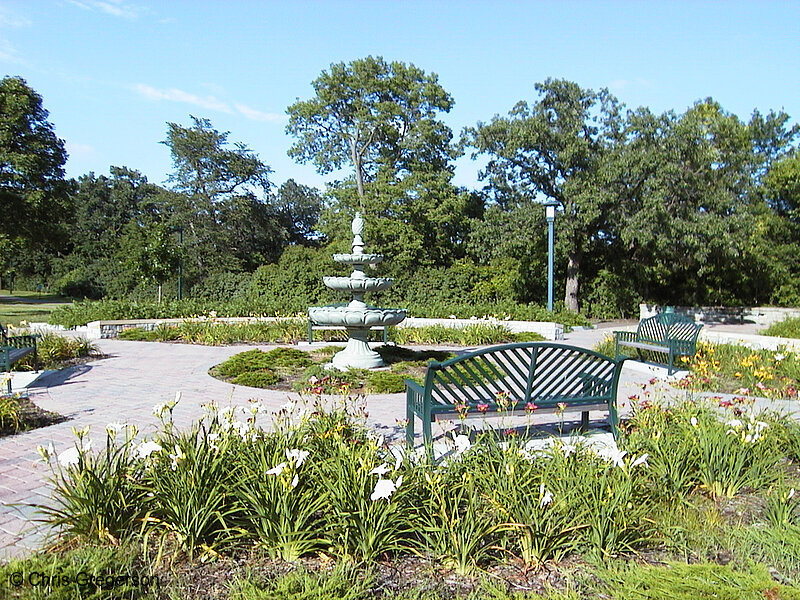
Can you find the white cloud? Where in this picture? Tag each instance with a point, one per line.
(11, 19)
(208, 102)
(8, 53)
(79, 150)
(115, 8)
(176, 95)
(257, 115)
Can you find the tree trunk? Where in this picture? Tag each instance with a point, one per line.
(573, 268)
(359, 172)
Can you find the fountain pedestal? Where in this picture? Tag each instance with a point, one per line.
(357, 317)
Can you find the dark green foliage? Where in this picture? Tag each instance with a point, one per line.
(258, 379)
(383, 382)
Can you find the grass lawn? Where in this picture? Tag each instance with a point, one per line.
(28, 306)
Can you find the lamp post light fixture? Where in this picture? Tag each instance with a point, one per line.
(550, 212)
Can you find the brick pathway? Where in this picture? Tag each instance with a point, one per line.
(124, 388)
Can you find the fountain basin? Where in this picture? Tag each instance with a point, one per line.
(356, 317)
(358, 259)
(358, 285)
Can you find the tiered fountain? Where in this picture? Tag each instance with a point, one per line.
(357, 317)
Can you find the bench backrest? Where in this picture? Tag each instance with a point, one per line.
(539, 372)
(668, 326)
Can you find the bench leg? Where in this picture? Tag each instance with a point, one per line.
(427, 436)
(409, 427)
(584, 421)
(310, 333)
(613, 419)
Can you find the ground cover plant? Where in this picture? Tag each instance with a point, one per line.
(789, 328)
(292, 369)
(317, 501)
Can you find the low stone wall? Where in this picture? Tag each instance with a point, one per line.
(548, 330)
(763, 316)
(111, 329)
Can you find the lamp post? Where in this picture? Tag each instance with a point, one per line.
(550, 213)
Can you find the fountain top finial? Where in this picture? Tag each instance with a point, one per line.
(358, 228)
(358, 224)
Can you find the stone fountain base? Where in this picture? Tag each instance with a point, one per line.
(357, 354)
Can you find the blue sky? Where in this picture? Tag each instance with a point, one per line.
(112, 73)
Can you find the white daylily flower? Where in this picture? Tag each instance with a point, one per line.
(295, 481)
(642, 460)
(693, 421)
(69, 457)
(546, 496)
(791, 494)
(46, 453)
(381, 470)
(298, 456)
(115, 427)
(462, 443)
(145, 449)
(569, 449)
(613, 455)
(779, 356)
(289, 406)
(176, 456)
(276, 470)
(734, 423)
(384, 488)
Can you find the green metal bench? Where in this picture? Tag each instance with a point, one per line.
(507, 378)
(666, 333)
(14, 348)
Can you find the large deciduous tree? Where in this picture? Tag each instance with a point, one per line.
(222, 201)
(382, 120)
(556, 148)
(33, 193)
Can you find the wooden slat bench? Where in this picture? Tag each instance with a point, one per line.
(666, 333)
(14, 348)
(542, 373)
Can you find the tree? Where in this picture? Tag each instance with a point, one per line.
(369, 114)
(381, 119)
(148, 252)
(34, 197)
(556, 148)
(298, 208)
(221, 202)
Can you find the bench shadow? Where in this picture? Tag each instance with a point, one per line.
(60, 377)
